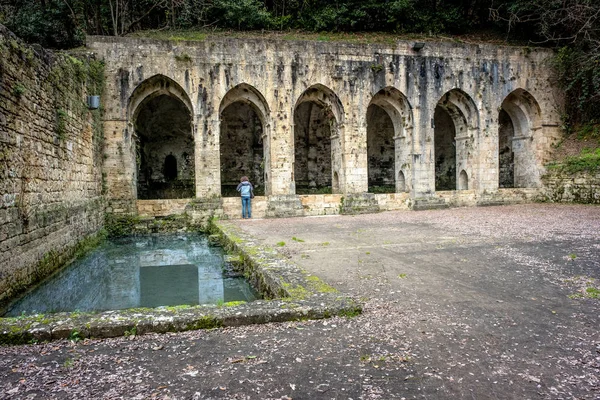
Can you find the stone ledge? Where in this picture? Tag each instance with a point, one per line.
(296, 295)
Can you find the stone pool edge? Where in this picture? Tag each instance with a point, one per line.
(295, 295)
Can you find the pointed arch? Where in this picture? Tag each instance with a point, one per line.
(247, 94)
(244, 139)
(159, 113)
(456, 127)
(326, 98)
(463, 180)
(519, 123)
(388, 151)
(318, 134)
(152, 87)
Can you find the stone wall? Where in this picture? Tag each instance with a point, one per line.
(50, 161)
(312, 101)
(581, 187)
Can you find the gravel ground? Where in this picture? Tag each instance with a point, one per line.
(477, 303)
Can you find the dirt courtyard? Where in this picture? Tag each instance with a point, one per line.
(478, 303)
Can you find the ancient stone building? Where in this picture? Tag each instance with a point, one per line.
(323, 127)
(318, 127)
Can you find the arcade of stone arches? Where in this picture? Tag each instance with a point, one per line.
(162, 115)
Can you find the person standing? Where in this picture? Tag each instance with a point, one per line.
(247, 191)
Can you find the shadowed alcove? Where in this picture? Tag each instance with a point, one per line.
(242, 140)
(317, 147)
(165, 144)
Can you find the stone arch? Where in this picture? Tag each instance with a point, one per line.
(463, 180)
(244, 139)
(401, 182)
(456, 126)
(519, 121)
(318, 134)
(389, 140)
(159, 112)
(152, 87)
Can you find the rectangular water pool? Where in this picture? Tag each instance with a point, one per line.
(141, 271)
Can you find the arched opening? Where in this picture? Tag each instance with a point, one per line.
(456, 123)
(444, 150)
(463, 180)
(161, 113)
(401, 182)
(506, 156)
(317, 146)
(519, 120)
(389, 135)
(242, 140)
(380, 150)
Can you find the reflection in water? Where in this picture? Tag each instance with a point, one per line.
(146, 271)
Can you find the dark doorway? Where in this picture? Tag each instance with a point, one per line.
(312, 149)
(506, 156)
(444, 150)
(241, 149)
(165, 148)
(381, 150)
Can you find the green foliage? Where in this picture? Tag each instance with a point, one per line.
(48, 23)
(19, 90)
(75, 336)
(578, 73)
(130, 332)
(588, 160)
(592, 293)
(241, 14)
(120, 225)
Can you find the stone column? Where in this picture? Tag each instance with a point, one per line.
(489, 164)
(120, 168)
(423, 163)
(208, 169)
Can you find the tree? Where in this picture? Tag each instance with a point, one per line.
(573, 27)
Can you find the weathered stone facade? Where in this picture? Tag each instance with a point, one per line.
(50, 162)
(581, 187)
(318, 118)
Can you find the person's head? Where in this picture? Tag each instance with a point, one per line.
(244, 179)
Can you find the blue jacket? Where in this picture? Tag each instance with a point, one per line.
(245, 188)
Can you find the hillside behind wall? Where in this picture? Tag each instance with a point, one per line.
(50, 161)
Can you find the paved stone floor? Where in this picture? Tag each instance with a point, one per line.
(476, 303)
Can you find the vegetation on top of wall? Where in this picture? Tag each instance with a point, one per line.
(587, 161)
(579, 151)
(570, 26)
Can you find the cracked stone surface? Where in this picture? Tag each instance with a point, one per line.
(461, 303)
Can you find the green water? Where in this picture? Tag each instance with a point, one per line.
(146, 271)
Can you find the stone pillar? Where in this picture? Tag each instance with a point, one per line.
(282, 154)
(208, 169)
(403, 160)
(489, 163)
(119, 167)
(355, 175)
(423, 163)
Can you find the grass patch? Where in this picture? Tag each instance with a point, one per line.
(592, 293)
(588, 160)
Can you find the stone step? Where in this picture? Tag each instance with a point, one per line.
(429, 203)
